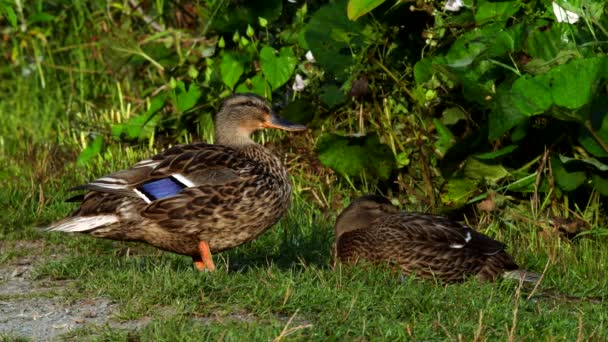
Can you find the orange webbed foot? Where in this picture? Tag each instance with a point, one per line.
(206, 262)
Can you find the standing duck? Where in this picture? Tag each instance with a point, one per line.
(194, 199)
(428, 246)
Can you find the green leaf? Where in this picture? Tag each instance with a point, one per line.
(423, 70)
(231, 70)
(593, 134)
(452, 115)
(600, 183)
(277, 70)
(257, 84)
(589, 161)
(490, 173)
(574, 84)
(504, 117)
(446, 138)
(92, 150)
(499, 11)
(141, 126)
(331, 95)
(356, 156)
(40, 18)
(523, 184)
(358, 8)
(548, 42)
(565, 179)
(530, 96)
(187, 99)
(457, 191)
(498, 153)
(334, 39)
(10, 14)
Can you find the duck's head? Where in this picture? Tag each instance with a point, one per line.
(362, 212)
(243, 114)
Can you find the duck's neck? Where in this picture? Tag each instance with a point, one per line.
(229, 136)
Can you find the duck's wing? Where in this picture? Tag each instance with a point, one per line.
(440, 231)
(170, 172)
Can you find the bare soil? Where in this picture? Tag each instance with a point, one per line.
(36, 310)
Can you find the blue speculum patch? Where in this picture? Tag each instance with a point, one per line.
(161, 188)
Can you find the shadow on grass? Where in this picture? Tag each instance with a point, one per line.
(290, 245)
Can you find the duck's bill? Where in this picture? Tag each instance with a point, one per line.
(280, 123)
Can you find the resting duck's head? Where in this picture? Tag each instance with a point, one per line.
(243, 114)
(362, 212)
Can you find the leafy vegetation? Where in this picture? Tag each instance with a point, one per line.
(491, 111)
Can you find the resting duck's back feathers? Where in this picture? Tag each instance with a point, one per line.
(439, 230)
(429, 246)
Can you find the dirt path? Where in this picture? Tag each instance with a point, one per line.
(37, 310)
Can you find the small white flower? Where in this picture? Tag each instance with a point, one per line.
(564, 16)
(310, 57)
(299, 84)
(453, 5)
(292, 1)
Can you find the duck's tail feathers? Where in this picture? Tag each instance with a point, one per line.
(522, 275)
(81, 224)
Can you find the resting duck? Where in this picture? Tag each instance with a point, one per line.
(428, 246)
(194, 199)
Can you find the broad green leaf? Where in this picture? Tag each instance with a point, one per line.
(574, 84)
(334, 39)
(504, 116)
(546, 43)
(423, 70)
(457, 191)
(358, 8)
(452, 116)
(257, 85)
(565, 179)
(499, 11)
(331, 95)
(277, 69)
(187, 99)
(507, 41)
(490, 173)
(530, 96)
(476, 84)
(92, 150)
(356, 156)
(231, 70)
(498, 153)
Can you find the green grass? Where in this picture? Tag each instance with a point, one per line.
(281, 284)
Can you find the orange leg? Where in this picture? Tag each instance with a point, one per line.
(206, 263)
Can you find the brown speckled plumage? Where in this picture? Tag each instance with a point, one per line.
(238, 189)
(429, 246)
